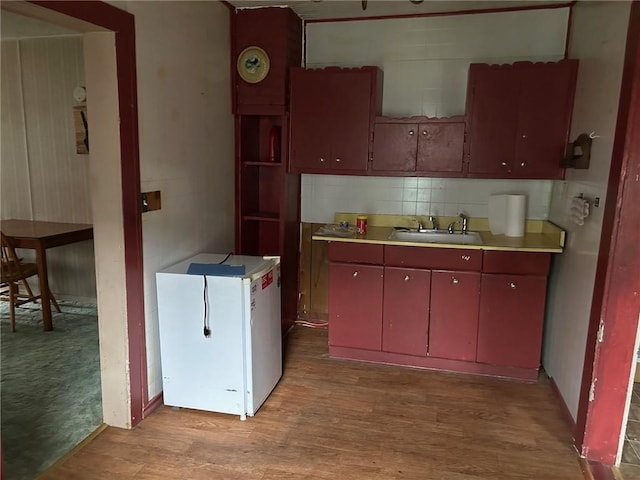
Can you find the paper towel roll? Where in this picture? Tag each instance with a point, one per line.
(497, 213)
(515, 215)
(507, 214)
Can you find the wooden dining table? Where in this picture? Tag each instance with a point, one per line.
(39, 236)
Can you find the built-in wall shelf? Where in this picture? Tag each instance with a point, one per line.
(262, 217)
(267, 196)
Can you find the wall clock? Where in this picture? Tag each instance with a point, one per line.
(253, 64)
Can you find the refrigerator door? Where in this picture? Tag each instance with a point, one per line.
(205, 373)
(263, 336)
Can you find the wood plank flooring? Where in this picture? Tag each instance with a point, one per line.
(343, 420)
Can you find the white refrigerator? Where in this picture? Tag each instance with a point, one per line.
(220, 333)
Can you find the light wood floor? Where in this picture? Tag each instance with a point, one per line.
(342, 420)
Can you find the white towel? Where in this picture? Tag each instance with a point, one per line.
(578, 210)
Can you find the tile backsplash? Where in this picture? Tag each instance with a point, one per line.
(323, 195)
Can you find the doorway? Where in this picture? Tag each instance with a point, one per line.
(109, 43)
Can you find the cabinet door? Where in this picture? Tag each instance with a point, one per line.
(440, 147)
(511, 319)
(493, 106)
(405, 317)
(544, 116)
(355, 305)
(395, 147)
(453, 321)
(310, 148)
(348, 121)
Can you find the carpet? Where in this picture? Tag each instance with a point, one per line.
(50, 390)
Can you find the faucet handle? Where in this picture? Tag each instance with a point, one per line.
(434, 222)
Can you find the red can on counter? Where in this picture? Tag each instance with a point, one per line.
(361, 224)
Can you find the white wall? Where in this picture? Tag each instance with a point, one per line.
(598, 39)
(186, 140)
(43, 178)
(425, 63)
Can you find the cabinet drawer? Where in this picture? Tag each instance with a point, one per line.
(524, 263)
(355, 253)
(434, 258)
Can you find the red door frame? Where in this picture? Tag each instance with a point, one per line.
(616, 298)
(122, 23)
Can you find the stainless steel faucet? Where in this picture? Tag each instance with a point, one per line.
(465, 223)
(434, 224)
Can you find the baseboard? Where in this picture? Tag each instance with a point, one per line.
(152, 404)
(566, 413)
(75, 449)
(596, 471)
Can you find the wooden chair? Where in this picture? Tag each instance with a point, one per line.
(14, 272)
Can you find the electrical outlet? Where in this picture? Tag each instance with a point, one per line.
(150, 201)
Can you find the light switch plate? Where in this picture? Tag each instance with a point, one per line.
(150, 201)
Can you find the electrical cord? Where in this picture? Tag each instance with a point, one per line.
(225, 258)
(206, 325)
(206, 330)
(310, 324)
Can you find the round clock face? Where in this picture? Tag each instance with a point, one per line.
(253, 64)
(80, 94)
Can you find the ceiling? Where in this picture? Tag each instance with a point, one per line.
(335, 9)
(13, 25)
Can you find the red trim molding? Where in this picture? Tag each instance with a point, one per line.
(122, 23)
(153, 404)
(450, 13)
(563, 405)
(616, 304)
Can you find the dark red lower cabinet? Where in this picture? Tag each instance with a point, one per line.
(511, 320)
(453, 326)
(355, 305)
(406, 310)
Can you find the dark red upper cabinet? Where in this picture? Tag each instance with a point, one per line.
(419, 146)
(332, 116)
(278, 32)
(519, 118)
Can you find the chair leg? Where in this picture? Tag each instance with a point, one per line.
(13, 291)
(27, 288)
(53, 300)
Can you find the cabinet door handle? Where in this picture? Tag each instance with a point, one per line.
(338, 160)
(407, 278)
(454, 280)
(411, 132)
(321, 160)
(524, 135)
(522, 164)
(512, 285)
(504, 164)
(466, 258)
(355, 274)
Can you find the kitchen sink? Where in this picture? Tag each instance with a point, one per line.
(437, 236)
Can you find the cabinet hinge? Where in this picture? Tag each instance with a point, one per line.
(592, 390)
(601, 331)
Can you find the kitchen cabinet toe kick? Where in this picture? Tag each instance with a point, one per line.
(529, 375)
